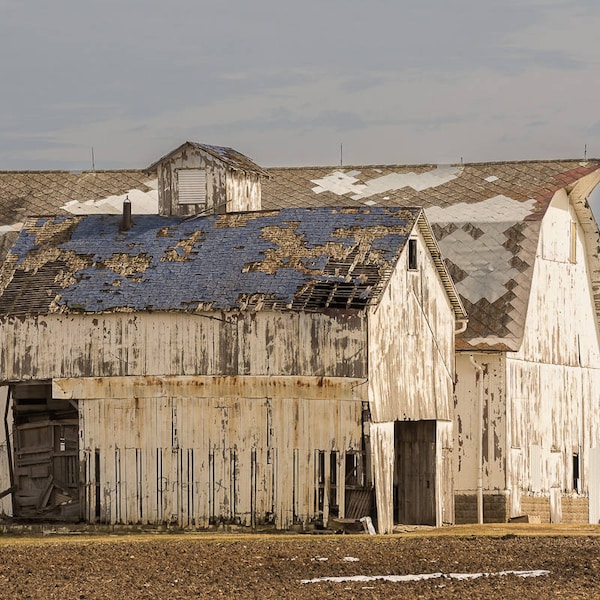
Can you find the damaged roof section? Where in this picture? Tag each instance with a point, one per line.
(486, 218)
(26, 193)
(301, 259)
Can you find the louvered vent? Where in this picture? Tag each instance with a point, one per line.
(192, 186)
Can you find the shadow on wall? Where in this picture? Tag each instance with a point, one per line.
(594, 200)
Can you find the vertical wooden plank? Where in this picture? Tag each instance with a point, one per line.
(594, 485)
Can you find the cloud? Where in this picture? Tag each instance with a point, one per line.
(131, 78)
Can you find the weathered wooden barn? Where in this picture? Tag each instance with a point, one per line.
(248, 367)
(523, 249)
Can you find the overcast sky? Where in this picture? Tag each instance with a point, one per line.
(287, 83)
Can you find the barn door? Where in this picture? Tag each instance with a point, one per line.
(415, 472)
(46, 455)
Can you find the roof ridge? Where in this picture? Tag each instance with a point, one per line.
(430, 164)
(69, 172)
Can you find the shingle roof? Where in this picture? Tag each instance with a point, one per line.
(315, 259)
(486, 218)
(230, 157)
(26, 193)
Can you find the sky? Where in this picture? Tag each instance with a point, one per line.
(298, 83)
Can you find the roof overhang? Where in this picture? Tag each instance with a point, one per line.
(460, 314)
(578, 195)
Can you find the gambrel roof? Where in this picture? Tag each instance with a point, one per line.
(486, 218)
(300, 259)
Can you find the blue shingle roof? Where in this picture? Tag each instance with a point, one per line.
(303, 259)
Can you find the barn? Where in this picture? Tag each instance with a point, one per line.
(522, 246)
(274, 367)
(521, 395)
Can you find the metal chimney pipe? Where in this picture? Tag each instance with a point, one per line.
(126, 221)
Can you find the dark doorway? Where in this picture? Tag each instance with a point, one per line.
(414, 473)
(46, 454)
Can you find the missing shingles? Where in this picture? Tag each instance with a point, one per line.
(345, 273)
(291, 252)
(55, 231)
(164, 232)
(229, 220)
(126, 264)
(183, 249)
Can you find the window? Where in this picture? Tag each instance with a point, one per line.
(412, 255)
(576, 472)
(192, 186)
(573, 248)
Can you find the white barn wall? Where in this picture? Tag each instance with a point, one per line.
(260, 396)
(120, 344)
(190, 451)
(467, 425)
(411, 364)
(554, 379)
(411, 367)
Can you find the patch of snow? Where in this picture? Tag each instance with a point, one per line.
(424, 576)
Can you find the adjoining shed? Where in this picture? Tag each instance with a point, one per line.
(257, 367)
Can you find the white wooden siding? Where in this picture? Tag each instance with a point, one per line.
(411, 345)
(168, 457)
(467, 428)
(554, 380)
(542, 403)
(276, 343)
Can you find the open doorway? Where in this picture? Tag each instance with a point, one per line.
(45, 462)
(415, 472)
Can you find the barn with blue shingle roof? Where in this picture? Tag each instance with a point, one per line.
(241, 368)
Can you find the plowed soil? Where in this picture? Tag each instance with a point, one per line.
(567, 565)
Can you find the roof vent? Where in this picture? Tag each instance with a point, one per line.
(126, 221)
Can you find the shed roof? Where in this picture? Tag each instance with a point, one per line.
(302, 259)
(486, 218)
(230, 157)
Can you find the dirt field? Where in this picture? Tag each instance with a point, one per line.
(566, 562)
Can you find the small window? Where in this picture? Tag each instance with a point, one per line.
(576, 472)
(573, 249)
(412, 255)
(192, 186)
